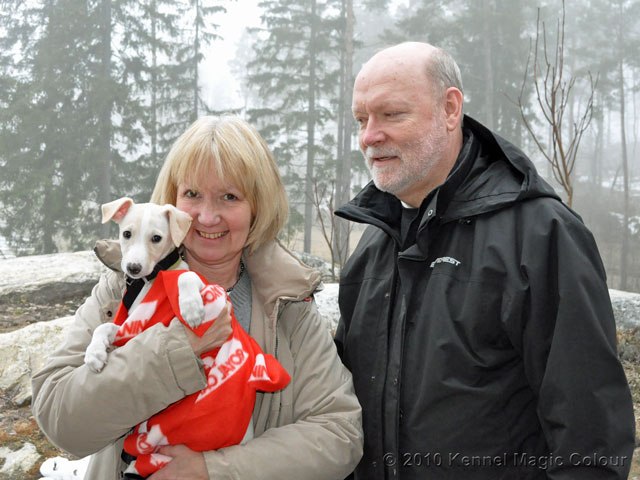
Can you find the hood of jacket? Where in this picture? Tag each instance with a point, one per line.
(490, 173)
(276, 274)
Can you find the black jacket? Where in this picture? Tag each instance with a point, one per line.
(486, 348)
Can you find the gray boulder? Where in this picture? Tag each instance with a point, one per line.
(327, 301)
(319, 264)
(49, 278)
(626, 308)
(25, 351)
(18, 462)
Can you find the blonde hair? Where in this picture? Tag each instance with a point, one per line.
(231, 149)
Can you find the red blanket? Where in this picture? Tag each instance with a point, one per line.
(218, 415)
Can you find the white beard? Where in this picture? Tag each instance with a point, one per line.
(417, 160)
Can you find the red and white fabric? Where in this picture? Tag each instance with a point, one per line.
(218, 415)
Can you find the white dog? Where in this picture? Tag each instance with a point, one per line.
(149, 233)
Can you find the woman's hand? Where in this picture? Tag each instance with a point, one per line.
(215, 336)
(186, 465)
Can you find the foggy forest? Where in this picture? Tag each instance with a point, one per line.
(94, 92)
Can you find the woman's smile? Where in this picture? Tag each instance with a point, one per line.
(212, 236)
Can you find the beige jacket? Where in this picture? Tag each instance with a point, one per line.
(318, 418)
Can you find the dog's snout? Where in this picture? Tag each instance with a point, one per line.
(134, 268)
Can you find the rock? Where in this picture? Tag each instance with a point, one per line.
(17, 463)
(49, 278)
(626, 308)
(319, 264)
(327, 301)
(25, 351)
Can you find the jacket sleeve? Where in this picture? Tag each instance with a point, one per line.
(324, 440)
(567, 338)
(81, 411)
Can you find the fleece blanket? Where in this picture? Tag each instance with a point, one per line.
(218, 415)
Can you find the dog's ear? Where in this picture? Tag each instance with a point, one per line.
(116, 210)
(179, 223)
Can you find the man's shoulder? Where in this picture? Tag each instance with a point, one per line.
(549, 223)
(548, 209)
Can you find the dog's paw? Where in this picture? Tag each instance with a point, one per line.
(95, 358)
(96, 355)
(189, 298)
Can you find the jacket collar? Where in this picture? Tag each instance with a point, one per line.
(276, 274)
(489, 174)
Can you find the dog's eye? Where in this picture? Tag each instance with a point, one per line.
(156, 239)
(126, 234)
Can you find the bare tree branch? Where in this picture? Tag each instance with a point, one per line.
(552, 94)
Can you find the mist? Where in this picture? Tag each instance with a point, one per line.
(93, 93)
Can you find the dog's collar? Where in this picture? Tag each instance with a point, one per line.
(135, 285)
(165, 264)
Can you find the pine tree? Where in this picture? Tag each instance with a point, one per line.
(163, 42)
(484, 37)
(95, 92)
(296, 72)
(608, 44)
(45, 130)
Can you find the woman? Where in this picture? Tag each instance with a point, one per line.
(222, 174)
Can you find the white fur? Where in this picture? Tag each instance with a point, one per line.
(148, 233)
(191, 306)
(96, 355)
(60, 468)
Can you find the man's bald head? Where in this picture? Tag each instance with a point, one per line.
(439, 68)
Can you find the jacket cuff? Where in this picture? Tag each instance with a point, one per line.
(186, 366)
(219, 467)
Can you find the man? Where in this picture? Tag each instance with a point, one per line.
(475, 316)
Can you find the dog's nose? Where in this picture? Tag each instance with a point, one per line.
(134, 268)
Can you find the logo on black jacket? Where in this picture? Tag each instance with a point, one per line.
(450, 260)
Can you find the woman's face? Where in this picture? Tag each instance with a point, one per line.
(221, 222)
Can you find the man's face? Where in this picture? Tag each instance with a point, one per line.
(402, 133)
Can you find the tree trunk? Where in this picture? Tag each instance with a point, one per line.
(196, 52)
(311, 118)
(105, 113)
(338, 234)
(599, 149)
(343, 178)
(154, 86)
(489, 113)
(624, 254)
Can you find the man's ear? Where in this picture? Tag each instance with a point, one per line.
(453, 108)
(116, 210)
(179, 223)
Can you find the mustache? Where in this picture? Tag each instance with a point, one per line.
(376, 152)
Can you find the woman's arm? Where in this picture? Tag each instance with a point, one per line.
(81, 411)
(325, 439)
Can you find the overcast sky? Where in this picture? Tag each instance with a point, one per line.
(220, 88)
